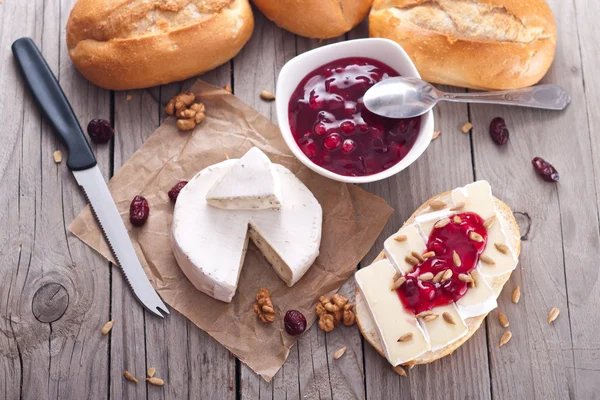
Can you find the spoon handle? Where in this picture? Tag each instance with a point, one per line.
(549, 97)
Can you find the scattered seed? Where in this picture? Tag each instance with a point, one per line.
(458, 206)
(457, 219)
(339, 353)
(438, 277)
(430, 317)
(429, 254)
(505, 338)
(447, 275)
(399, 370)
(516, 295)
(427, 276)
(437, 204)
(398, 282)
(502, 248)
(448, 318)
(553, 315)
(107, 327)
(57, 156)
(466, 127)
(397, 276)
(411, 260)
(155, 381)
(489, 222)
(456, 258)
(400, 238)
(128, 98)
(417, 256)
(436, 134)
(266, 95)
(129, 376)
(487, 260)
(465, 278)
(503, 320)
(406, 337)
(476, 237)
(442, 223)
(424, 314)
(151, 372)
(228, 88)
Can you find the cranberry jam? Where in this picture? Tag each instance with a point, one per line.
(417, 295)
(335, 130)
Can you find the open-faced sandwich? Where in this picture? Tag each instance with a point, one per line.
(438, 276)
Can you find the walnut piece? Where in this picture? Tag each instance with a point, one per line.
(349, 317)
(332, 312)
(188, 113)
(264, 307)
(326, 322)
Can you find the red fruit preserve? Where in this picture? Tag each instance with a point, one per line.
(334, 129)
(418, 295)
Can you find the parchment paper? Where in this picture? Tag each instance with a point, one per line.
(352, 220)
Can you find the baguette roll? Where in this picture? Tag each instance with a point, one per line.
(129, 44)
(480, 44)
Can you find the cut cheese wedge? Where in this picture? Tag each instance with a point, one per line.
(251, 183)
(479, 299)
(477, 197)
(401, 245)
(390, 316)
(440, 332)
(425, 222)
(210, 243)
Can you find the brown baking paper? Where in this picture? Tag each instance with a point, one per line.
(352, 220)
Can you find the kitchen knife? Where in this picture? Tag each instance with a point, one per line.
(81, 161)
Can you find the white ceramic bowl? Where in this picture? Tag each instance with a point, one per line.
(298, 68)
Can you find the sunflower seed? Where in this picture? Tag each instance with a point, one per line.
(429, 254)
(266, 95)
(447, 275)
(427, 276)
(505, 338)
(417, 256)
(457, 219)
(456, 258)
(129, 376)
(553, 315)
(400, 238)
(436, 134)
(448, 318)
(57, 156)
(339, 353)
(406, 337)
(151, 372)
(438, 277)
(399, 370)
(437, 204)
(424, 314)
(442, 223)
(516, 295)
(411, 260)
(489, 222)
(466, 127)
(465, 278)
(476, 237)
(502, 248)
(458, 206)
(487, 260)
(397, 283)
(503, 320)
(430, 317)
(107, 327)
(155, 381)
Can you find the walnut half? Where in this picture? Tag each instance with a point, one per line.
(264, 307)
(188, 113)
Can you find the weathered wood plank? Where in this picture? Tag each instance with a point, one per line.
(445, 165)
(538, 362)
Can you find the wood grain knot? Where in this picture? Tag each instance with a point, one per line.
(50, 302)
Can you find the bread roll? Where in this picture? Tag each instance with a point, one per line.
(320, 19)
(128, 44)
(480, 44)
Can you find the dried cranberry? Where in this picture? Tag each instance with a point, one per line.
(320, 129)
(332, 141)
(100, 131)
(498, 131)
(545, 169)
(348, 146)
(138, 211)
(174, 192)
(294, 322)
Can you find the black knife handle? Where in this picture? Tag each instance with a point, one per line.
(53, 103)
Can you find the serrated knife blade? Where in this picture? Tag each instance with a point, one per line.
(113, 228)
(81, 161)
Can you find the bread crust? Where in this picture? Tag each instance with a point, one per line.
(112, 54)
(368, 328)
(460, 55)
(320, 19)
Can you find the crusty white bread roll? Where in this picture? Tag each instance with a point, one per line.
(127, 44)
(321, 19)
(480, 44)
(367, 326)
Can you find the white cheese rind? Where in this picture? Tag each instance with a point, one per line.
(389, 314)
(209, 243)
(441, 333)
(251, 183)
(397, 251)
(478, 300)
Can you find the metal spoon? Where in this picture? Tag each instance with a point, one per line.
(403, 97)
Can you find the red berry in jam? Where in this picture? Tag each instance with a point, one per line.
(100, 131)
(348, 146)
(545, 170)
(294, 322)
(332, 141)
(498, 131)
(332, 95)
(139, 210)
(174, 192)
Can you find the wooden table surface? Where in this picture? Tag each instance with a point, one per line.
(56, 293)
